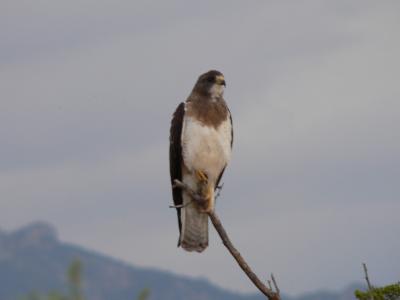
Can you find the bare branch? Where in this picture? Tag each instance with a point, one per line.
(269, 284)
(196, 197)
(269, 293)
(366, 277)
(275, 284)
(181, 205)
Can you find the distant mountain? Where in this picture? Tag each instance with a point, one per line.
(33, 259)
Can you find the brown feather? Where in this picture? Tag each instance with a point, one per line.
(208, 112)
(175, 157)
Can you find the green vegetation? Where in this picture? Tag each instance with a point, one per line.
(389, 292)
(74, 275)
(144, 294)
(75, 280)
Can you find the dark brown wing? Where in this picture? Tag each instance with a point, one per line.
(222, 172)
(175, 156)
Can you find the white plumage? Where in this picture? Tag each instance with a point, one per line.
(206, 149)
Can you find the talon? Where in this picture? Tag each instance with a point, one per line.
(201, 176)
(207, 194)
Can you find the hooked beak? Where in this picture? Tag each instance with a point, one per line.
(220, 80)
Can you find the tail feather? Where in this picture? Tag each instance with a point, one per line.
(194, 234)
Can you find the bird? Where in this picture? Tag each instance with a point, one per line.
(201, 139)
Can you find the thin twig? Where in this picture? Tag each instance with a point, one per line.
(271, 295)
(269, 284)
(180, 205)
(219, 189)
(366, 277)
(196, 197)
(275, 284)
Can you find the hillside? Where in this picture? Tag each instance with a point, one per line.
(34, 259)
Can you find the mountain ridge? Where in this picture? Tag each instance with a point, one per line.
(32, 258)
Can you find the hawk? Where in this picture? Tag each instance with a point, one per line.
(201, 137)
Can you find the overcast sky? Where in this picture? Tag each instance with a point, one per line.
(87, 89)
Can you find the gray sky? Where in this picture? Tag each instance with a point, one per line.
(87, 89)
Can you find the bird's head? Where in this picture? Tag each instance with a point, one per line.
(211, 83)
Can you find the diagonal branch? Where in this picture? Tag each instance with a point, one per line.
(271, 295)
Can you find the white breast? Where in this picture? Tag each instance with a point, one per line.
(205, 148)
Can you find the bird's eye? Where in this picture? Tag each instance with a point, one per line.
(210, 79)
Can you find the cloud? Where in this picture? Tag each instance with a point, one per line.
(87, 92)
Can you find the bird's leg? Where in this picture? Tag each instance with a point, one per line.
(206, 191)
